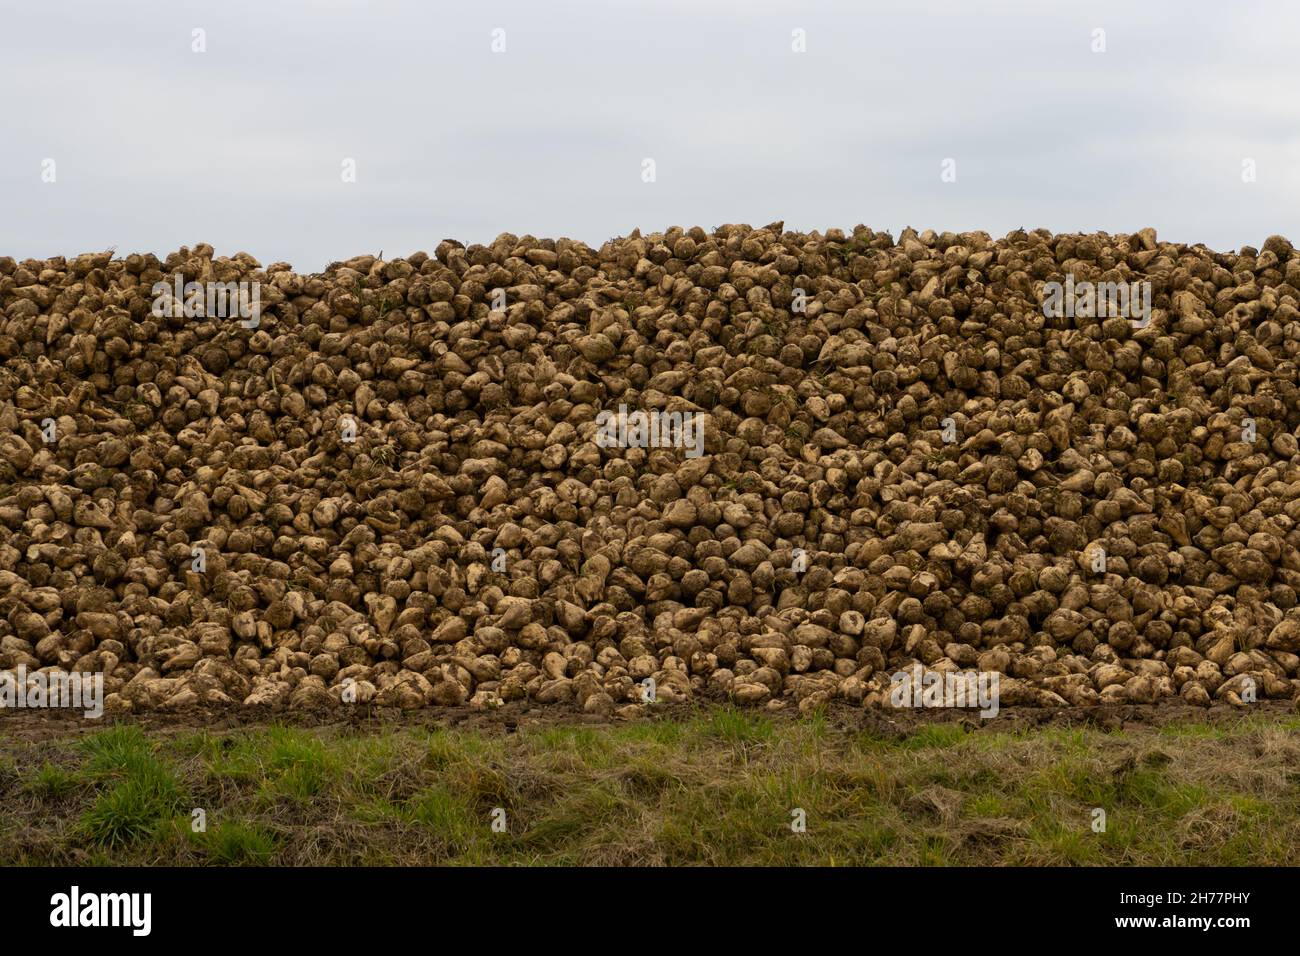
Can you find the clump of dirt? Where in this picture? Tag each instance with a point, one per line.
(757, 464)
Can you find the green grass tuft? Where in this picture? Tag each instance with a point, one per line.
(237, 844)
(138, 790)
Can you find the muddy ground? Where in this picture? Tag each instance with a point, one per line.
(32, 726)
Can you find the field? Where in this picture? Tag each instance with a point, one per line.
(717, 785)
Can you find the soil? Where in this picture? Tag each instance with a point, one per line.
(31, 726)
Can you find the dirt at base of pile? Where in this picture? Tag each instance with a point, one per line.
(33, 727)
(752, 464)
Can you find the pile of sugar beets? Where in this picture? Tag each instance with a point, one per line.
(388, 488)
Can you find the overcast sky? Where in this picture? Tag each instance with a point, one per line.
(156, 146)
